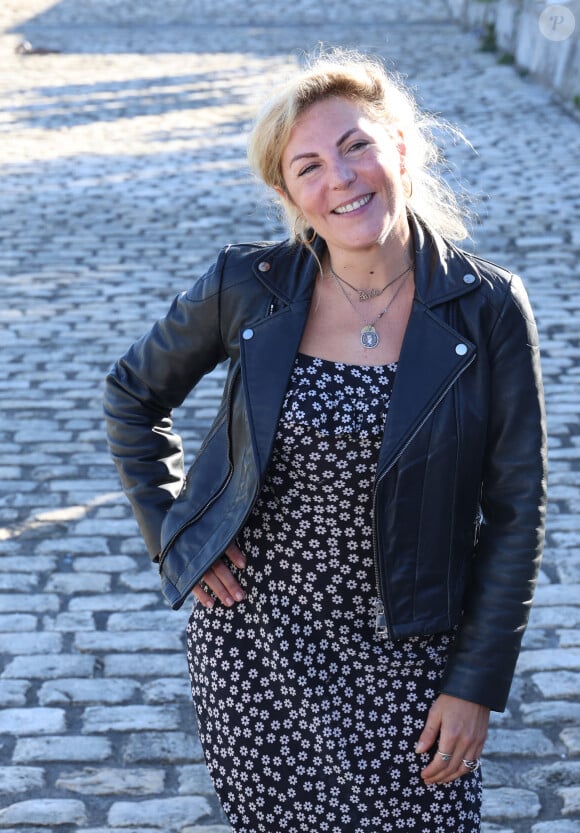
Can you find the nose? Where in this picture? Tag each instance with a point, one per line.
(342, 174)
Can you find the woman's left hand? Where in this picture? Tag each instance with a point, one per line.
(460, 728)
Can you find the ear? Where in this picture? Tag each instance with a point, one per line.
(402, 149)
(284, 195)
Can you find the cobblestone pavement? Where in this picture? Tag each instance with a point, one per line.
(122, 172)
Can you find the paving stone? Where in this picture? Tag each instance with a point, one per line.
(18, 779)
(159, 620)
(166, 747)
(547, 660)
(558, 683)
(82, 692)
(522, 742)
(24, 602)
(510, 803)
(556, 711)
(113, 781)
(145, 665)
(571, 798)
(559, 774)
(490, 827)
(13, 692)
(105, 564)
(49, 667)
(32, 721)
(70, 583)
(173, 690)
(141, 581)
(23, 582)
(558, 826)
(30, 643)
(17, 622)
(51, 811)
(69, 748)
(213, 828)
(69, 622)
(166, 813)
(557, 594)
(128, 601)
(98, 719)
(571, 738)
(195, 780)
(127, 641)
(569, 638)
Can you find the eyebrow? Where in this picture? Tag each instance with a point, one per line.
(340, 141)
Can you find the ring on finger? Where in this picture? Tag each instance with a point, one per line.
(472, 766)
(445, 755)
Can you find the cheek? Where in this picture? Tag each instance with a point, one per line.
(304, 196)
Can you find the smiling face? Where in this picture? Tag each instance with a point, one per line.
(342, 171)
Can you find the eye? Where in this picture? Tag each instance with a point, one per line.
(359, 145)
(308, 169)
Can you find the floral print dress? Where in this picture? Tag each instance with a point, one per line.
(308, 718)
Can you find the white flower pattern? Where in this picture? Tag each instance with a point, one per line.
(307, 718)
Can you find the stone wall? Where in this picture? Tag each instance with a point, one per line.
(542, 37)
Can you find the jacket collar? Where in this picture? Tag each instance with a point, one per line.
(442, 272)
(433, 354)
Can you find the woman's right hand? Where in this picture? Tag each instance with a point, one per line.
(220, 580)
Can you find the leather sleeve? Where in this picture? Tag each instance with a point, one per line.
(513, 504)
(143, 388)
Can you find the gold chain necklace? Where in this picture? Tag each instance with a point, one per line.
(367, 294)
(369, 338)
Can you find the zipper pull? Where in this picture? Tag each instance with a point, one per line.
(381, 628)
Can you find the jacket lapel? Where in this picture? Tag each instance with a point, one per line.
(433, 354)
(432, 358)
(267, 359)
(269, 347)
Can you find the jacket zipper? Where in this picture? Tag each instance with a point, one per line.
(270, 311)
(381, 609)
(214, 497)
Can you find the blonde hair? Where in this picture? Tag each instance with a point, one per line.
(385, 98)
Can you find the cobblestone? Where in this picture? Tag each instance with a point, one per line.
(69, 748)
(509, 803)
(123, 172)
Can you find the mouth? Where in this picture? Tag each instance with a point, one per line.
(352, 206)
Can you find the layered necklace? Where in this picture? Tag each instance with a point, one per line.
(369, 338)
(367, 294)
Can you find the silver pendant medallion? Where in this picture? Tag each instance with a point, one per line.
(369, 337)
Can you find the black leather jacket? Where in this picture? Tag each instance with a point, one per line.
(459, 496)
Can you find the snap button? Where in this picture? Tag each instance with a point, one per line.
(461, 349)
(248, 334)
(469, 279)
(264, 266)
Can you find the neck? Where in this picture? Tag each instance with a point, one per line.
(372, 267)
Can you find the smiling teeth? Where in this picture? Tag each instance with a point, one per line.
(352, 206)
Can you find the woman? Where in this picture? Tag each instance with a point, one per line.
(362, 527)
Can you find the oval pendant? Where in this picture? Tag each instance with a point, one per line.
(369, 337)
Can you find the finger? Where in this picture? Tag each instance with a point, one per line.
(236, 556)
(204, 598)
(440, 767)
(430, 732)
(223, 584)
(442, 772)
(459, 771)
